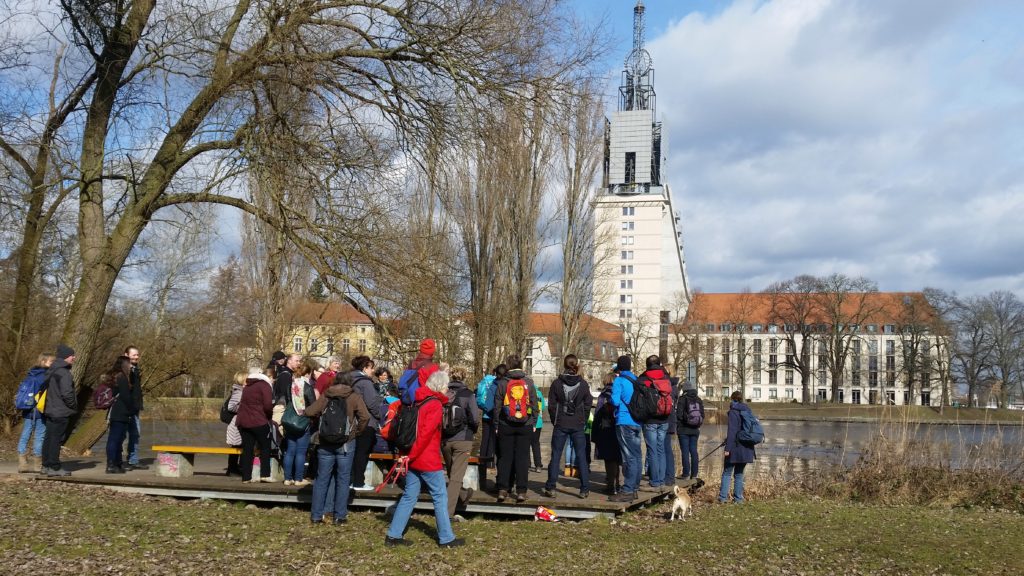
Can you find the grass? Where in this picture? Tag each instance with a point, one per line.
(64, 529)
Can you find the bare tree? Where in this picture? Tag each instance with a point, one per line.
(795, 309)
(1004, 313)
(844, 305)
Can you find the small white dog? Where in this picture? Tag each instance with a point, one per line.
(682, 505)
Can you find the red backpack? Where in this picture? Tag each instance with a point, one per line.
(516, 403)
(389, 418)
(664, 388)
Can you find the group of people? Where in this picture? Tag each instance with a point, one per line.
(48, 401)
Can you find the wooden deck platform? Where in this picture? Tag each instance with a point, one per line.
(207, 484)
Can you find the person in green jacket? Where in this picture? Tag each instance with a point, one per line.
(538, 465)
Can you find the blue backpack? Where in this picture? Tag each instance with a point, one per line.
(29, 387)
(408, 383)
(485, 395)
(750, 433)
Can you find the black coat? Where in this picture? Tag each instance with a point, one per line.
(61, 401)
(123, 409)
(569, 402)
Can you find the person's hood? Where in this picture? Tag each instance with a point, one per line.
(342, 390)
(518, 373)
(357, 375)
(739, 406)
(570, 379)
(455, 385)
(257, 377)
(488, 379)
(690, 392)
(37, 370)
(422, 393)
(656, 373)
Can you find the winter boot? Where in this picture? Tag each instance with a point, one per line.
(23, 464)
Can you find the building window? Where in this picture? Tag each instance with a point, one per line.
(773, 393)
(789, 393)
(725, 391)
(297, 344)
(330, 345)
(757, 376)
(773, 329)
(313, 344)
(756, 328)
(872, 328)
(627, 254)
(626, 269)
(773, 376)
(628, 226)
(626, 284)
(625, 313)
(362, 344)
(889, 329)
(628, 211)
(855, 397)
(345, 345)
(625, 298)
(630, 167)
(822, 395)
(789, 377)
(757, 393)
(709, 392)
(627, 240)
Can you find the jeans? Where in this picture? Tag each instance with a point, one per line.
(438, 493)
(55, 428)
(688, 447)
(578, 441)
(334, 468)
(670, 463)
(654, 436)
(295, 448)
(629, 446)
(115, 439)
(33, 423)
(134, 432)
(736, 472)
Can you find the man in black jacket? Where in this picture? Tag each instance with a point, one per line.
(135, 425)
(61, 405)
(569, 404)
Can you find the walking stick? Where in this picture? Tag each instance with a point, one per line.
(712, 452)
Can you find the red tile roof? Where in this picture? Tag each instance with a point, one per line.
(756, 308)
(321, 313)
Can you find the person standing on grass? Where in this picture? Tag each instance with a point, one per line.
(334, 458)
(737, 454)
(606, 445)
(689, 419)
(627, 430)
(569, 402)
(425, 467)
(135, 425)
(61, 405)
(457, 443)
(515, 410)
(232, 436)
(363, 384)
(253, 419)
(121, 414)
(32, 418)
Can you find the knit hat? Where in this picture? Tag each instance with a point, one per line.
(624, 363)
(279, 355)
(427, 347)
(64, 351)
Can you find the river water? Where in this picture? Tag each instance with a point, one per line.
(790, 447)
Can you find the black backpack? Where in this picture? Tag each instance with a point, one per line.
(454, 418)
(334, 424)
(225, 413)
(643, 405)
(403, 429)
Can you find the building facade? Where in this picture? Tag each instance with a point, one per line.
(640, 277)
(886, 347)
(320, 330)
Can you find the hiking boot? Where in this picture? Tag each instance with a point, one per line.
(584, 494)
(623, 497)
(520, 497)
(115, 470)
(137, 466)
(389, 541)
(547, 492)
(453, 544)
(316, 520)
(502, 495)
(23, 465)
(340, 521)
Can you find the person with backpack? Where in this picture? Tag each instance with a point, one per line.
(655, 428)
(60, 405)
(606, 445)
(737, 452)
(32, 418)
(120, 415)
(568, 409)
(343, 416)
(460, 421)
(424, 465)
(254, 425)
(485, 391)
(229, 412)
(538, 429)
(689, 419)
(515, 411)
(627, 430)
(363, 384)
(419, 369)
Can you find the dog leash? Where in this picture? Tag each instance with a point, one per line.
(398, 469)
(712, 452)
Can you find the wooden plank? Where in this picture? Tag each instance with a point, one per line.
(197, 449)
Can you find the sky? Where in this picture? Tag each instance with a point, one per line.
(876, 139)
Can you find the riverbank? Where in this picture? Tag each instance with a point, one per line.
(62, 529)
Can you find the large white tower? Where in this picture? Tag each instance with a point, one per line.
(641, 281)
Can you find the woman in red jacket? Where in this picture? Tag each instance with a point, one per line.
(426, 466)
(253, 421)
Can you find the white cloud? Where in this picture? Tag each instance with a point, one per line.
(883, 139)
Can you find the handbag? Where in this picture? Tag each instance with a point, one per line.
(293, 423)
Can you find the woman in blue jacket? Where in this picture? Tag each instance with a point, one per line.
(737, 454)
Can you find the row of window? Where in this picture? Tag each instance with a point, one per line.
(856, 395)
(314, 345)
(774, 328)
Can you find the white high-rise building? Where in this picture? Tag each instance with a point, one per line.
(641, 281)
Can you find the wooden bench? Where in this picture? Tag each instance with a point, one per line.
(174, 461)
